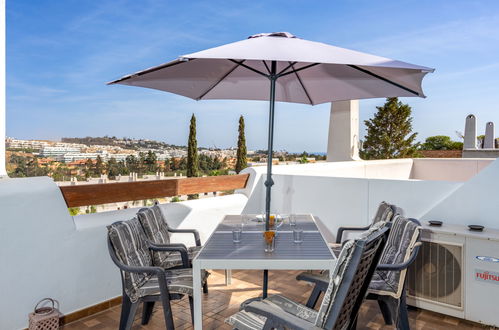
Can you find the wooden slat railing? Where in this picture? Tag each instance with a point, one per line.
(103, 193)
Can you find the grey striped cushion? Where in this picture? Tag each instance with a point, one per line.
(178, 280)
(384, 213)
(175, 259)
(401, 240)
(154, 225)
(340, 268)
(342, 265)
(129, 243)
(245, 320)
(156, 230)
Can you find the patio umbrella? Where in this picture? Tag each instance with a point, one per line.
(281, 67)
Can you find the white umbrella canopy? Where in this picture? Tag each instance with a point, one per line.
(307, 72)
(295, 70)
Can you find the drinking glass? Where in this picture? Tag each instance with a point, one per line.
(292, 220)
(297, 235)
(270, 246)
(269, 240)
(236, 235)
(245, 220)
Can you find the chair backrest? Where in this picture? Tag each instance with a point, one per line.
(128, 243)
(404, 235)
(156, 229)
(350, 278)
(154, 224)
(386, 212)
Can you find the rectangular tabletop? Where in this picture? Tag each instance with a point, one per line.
(220, 252)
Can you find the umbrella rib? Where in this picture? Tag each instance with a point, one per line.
(219, 81)
(384, 79)
(298, 70)
(302, 85)
(286, 68)
(266, 66)
(249, 68)
(156, 68)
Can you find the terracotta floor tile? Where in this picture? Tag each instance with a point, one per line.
(222, 301)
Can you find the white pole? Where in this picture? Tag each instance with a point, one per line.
(3, 172)
(470, 133)
(343, 140)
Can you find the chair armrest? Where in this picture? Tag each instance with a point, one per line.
(403, 265)
(193, 231)
(339, 234)
(319, 280)
(172, 248)
(134, 269)
(279, 318)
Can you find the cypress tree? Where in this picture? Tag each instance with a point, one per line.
(241, 161)
(192, 154)
(389, 133)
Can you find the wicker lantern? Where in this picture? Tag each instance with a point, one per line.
(45, 318)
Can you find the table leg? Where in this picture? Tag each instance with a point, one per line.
(228, 276)
(198, 303)
(265, 282)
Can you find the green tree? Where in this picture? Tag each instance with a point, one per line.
(100, 167)
(113, 169)
(480, 139)
(192, 154)
(74, 211)
(441, 142)
(389, 133)
(150, 162)
(241, 160)
(87, 171)
(132, 163)
(141, 167)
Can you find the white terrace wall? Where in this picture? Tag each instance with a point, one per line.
(475, 202)
(44, 253)
(348, 193)
(348, 201)
(44, 256)
(441, 169)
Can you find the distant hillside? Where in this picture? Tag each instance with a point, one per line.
(126, 143)
(106, 140)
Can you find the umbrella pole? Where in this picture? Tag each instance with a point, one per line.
(269, 182)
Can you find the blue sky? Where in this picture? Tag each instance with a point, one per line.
(60, 54)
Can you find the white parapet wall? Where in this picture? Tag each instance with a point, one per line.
(348, 193)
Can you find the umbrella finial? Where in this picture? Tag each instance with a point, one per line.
(273, 34)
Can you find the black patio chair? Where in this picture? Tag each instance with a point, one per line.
(142, 282)
(385, 212)
(388, 283)
(156, 228)
(344, 295)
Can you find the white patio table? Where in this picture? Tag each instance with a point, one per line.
(220, 252)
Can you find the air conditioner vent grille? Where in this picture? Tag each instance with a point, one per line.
(436, 275)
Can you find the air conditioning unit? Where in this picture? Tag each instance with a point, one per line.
(457, 273)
